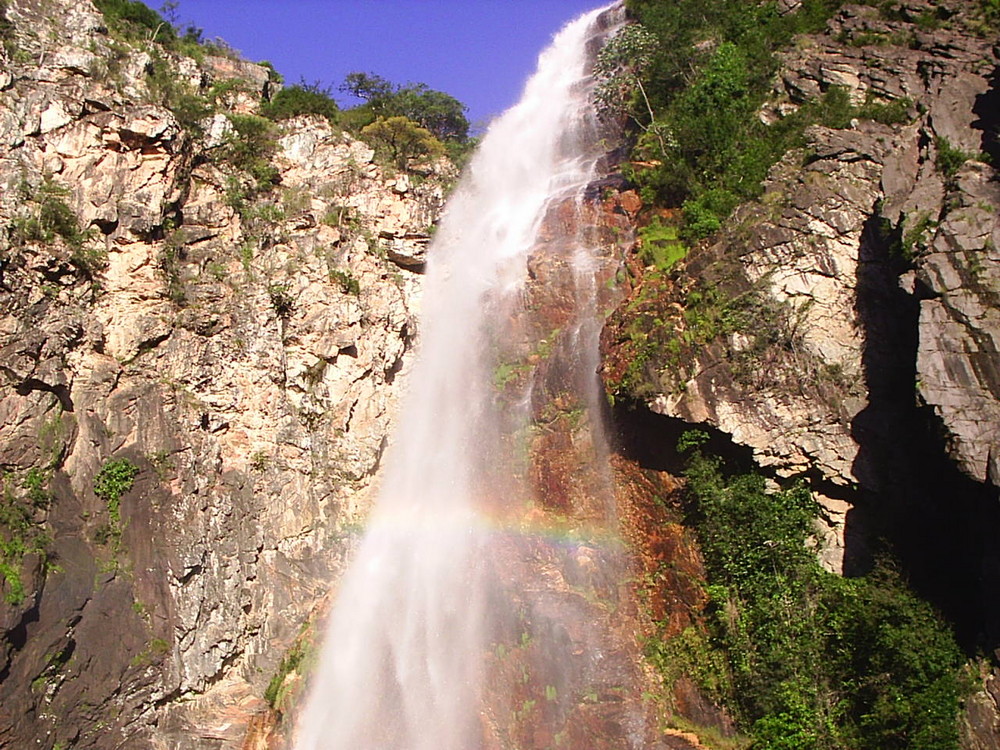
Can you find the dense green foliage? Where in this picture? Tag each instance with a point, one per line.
(990, 10)
(248, 147)
(693, 82)
(441, 114)
(949, 158)
(47, 216)
(809, 660)
(134, 20)
(301, 99)
(21, 533)
(113, 480)
(399, 139)
(50, 216)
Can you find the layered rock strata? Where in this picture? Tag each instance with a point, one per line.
(241, 348)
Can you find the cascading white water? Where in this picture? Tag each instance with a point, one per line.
(402, 666)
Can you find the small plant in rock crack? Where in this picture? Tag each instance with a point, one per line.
(113, 480)
(348, 284)
(51, 217)
(21, 530)
(281, 299)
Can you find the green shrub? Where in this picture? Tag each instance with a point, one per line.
(301, 99)
(990, 10)
(36, 483)
(113, 480)
(166, 87)
(355, 119)
(281, 299)
(52, 217)
(272, 74)
(949, 158)
(348, 283)
(895, 112)
(168, 261)
(135, 20)
(834, 109)
(695, 95)
(397, 140)
(705, 213)
(249, 148)
(21, 533)
(812, 660)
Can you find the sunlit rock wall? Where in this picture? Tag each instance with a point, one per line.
(244, 351)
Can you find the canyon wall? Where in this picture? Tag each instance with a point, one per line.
(240, 349)
(844, 327)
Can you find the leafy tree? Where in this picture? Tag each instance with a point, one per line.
(440, 113)
(367, 86)
(620, 69)
(399, 139)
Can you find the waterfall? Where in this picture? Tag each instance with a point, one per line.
(429, 633)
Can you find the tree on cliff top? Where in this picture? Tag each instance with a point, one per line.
(300, 99)
(440, 113)
(399, 139)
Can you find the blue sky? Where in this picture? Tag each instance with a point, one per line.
(479, 51)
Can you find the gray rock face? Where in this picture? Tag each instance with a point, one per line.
(958, 362)
(813, 247)
(245, 353)
(803, 258)
(948, 223)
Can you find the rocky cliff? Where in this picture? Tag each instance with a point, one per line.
(198, 376)
(845, 326)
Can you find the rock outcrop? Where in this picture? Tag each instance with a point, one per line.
(910, 199)
(242, 348)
